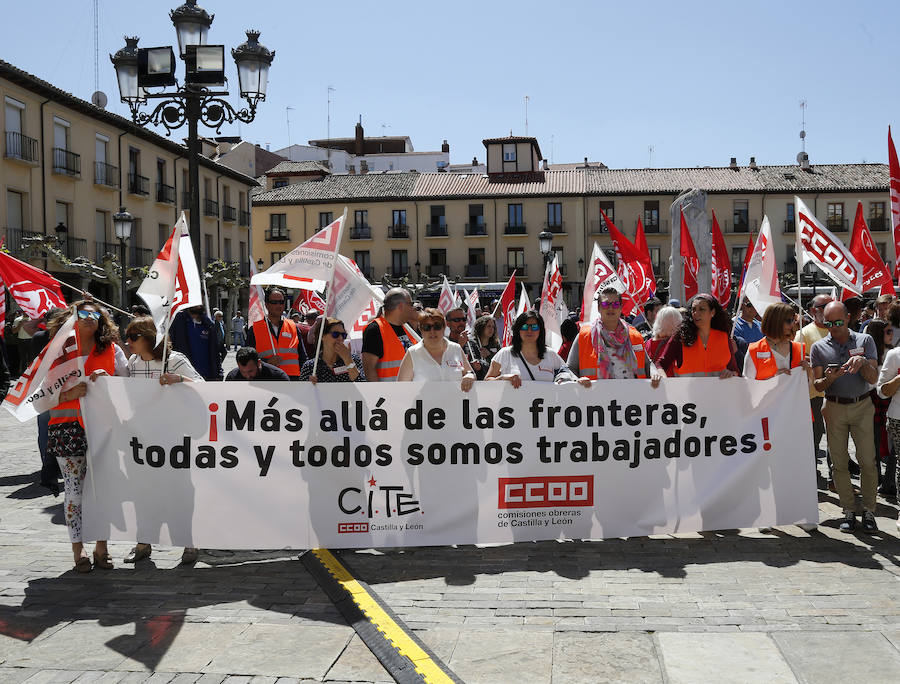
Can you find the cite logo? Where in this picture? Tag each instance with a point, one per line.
(551, 491)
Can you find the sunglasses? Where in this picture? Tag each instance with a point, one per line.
(456, 320)
(336, 334)
(534, 327)
(611, 305)
(84, 315)
(834, 324)
(133, 337)
(428, 327)
(276, 301)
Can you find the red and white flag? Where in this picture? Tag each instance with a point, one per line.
(894, 166)
(721, 265)
(2, 310)
(367, 316)
(553, 307)
(640, 244)
(691, 261)
(760, 284)
(55, 369)
(508, 307)
(34, 290)
(256, 311)
(350, 294)
(816, 244)
(173, 281)
(447, 301)
(875, 273)
(309, 301)
(600, 275)
(308, 266)
(472, 303)
(633, 268)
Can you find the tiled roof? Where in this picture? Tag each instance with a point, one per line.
(287, 167)
(591, 182)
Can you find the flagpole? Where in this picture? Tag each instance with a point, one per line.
(328, 291)
(96, 299)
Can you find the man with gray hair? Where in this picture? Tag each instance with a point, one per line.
(385, 340)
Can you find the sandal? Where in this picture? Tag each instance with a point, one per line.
(103, 561)
(83, 564)
(139, 552)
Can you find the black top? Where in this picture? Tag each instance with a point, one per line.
(324, 373)
(266, 372)
(372, 343)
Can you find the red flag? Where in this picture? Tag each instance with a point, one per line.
(895, 200)
(875, 273)
(640, 244)
(632, 269)
(34, 290)
(309, 301)
(508, 307)
(691, 261)
(721, 266)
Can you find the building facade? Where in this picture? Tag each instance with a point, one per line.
(482, 227)
(68, 166)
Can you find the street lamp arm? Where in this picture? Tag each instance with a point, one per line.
(216, 112)
(172, 113)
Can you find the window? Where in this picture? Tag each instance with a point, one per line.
(207, 189)
(281, 183)
(64, 161)
(14, 210)
(62, 214)
(134, 161)
(877, 219)
(437, 262)
(162, 234)
(476, 220)
(161, 171)
(476, 266)
(276, 256)
(476, 256)
(18, 145)
(278, 226)
(835, 216)
(515, 260)
(651, 216)
(363, 260)
(325, 218)
(509, 152)
(655, 259)
(741, 216)
(608, 208)
(554, 216)
(437, 227)
(208, 247)
(100, 223)
(60, 133)
(514, 212)
(361, 218)
(789, 216)
(104, 173)
(398, 217)
(226, 250)
(242, 249)
(737, 258)
(15, 111)
(399, 263)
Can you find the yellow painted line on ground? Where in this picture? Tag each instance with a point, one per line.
(383, 622)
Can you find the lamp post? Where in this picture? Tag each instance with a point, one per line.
(545, 240)
(62, 238)
(122, 222)
(199, 98)
(260, 264)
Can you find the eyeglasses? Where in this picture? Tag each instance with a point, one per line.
(336, 334)
(428, 327)
(834, 324)
(84, 315)
(533, 327)
(456, 320)
(276, 301)
(133, 337)
(608, 305)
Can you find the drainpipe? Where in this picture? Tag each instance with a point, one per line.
(44, 172)
(496, 255)
(121, 185)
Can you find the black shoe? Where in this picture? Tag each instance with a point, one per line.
(848, 524)
(853, 467)
(868, 522)
(887, 492)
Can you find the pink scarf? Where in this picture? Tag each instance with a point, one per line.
(608, 344)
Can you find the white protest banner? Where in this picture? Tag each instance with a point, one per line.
(276, 465)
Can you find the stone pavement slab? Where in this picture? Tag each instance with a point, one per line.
(89, 645)
(723, 659)
(834, 658)
(604, 658)
(503, 657)
(190, 649)
(358, 664)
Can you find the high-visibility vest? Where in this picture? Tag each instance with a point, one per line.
(760, 353)
(698, 361)
(587, 355)
(285, 345)
(393, 351)
(70, 411)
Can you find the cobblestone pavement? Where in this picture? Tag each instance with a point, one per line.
(737, 606)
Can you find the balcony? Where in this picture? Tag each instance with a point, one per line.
(229, 213)
(747, 226)
(103, 248)
(106, 174)
(436, 269)
(278, 234)
(836, 225)
(138, 185)
(436, 230)
(76, 247)
(15, 238)
(878, 223)
(520, 271)
(655, 227)
(514, 229)
(243, 218)
(598, 227)
(555, 226)
(211, 208)
(398, 232)
(476, 271)
(138, 256)
(21, 147)
(165, 194)
(789, 226)
(476, 229)
(360, 232)
(66, 163)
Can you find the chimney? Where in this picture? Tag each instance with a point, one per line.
(753, 163)
(267, 147)
(360, 139)
(546, 165)
(474, 161)
(351, 169)
(445, 147)
(803, 158)
(733, 164)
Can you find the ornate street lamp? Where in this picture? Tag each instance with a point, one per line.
(199, 98)
(545, 240)
(122, 223)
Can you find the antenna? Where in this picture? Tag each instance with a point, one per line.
(526, 114)
(96, 45)
(551, 147)
(287, 116)
(328, 130)
(803, 126)
(649, 156)
(384, 126)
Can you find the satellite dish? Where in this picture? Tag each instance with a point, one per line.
(800, 157)
(99, 99)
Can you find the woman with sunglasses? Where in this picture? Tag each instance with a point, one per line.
(528, 357)
(336, 363)
(96, 337)
(436, 357)
(703, 346)
(775, 353)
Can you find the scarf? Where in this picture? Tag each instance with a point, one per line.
(612, 344)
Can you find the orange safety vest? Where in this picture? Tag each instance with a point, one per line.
(587, 355)
(698, 361)
(388, 365)
(70, 411)
(760, 353)
(285, 346)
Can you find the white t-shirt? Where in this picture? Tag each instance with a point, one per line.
(547, 370)
(426, 368)
(178, 363)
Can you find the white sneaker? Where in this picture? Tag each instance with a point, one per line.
(809, 527)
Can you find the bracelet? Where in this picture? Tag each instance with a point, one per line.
(344, 369)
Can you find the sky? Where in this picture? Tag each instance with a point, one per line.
(698, 82)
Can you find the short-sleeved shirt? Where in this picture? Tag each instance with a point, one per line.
(808, 335)
(178, 363)
(749, 331)
(547, 369)
(326, 373)
(828, 351)
(372, 343)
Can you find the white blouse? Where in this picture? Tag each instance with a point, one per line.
(549, 369)
(425, 367)
(889, 370)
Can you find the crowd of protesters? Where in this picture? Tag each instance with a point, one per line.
(846, 350)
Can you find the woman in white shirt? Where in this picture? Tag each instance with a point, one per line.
(436, 357)
(528, 358)
(887, 386)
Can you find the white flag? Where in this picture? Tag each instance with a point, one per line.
(447, 300)
(309, 265)
(600, 275)
(472, 303)
(256, 311)
(350, 294)
(553, 308)
(173, 282)
(815, 243)
(524, 303)
(760, 284)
